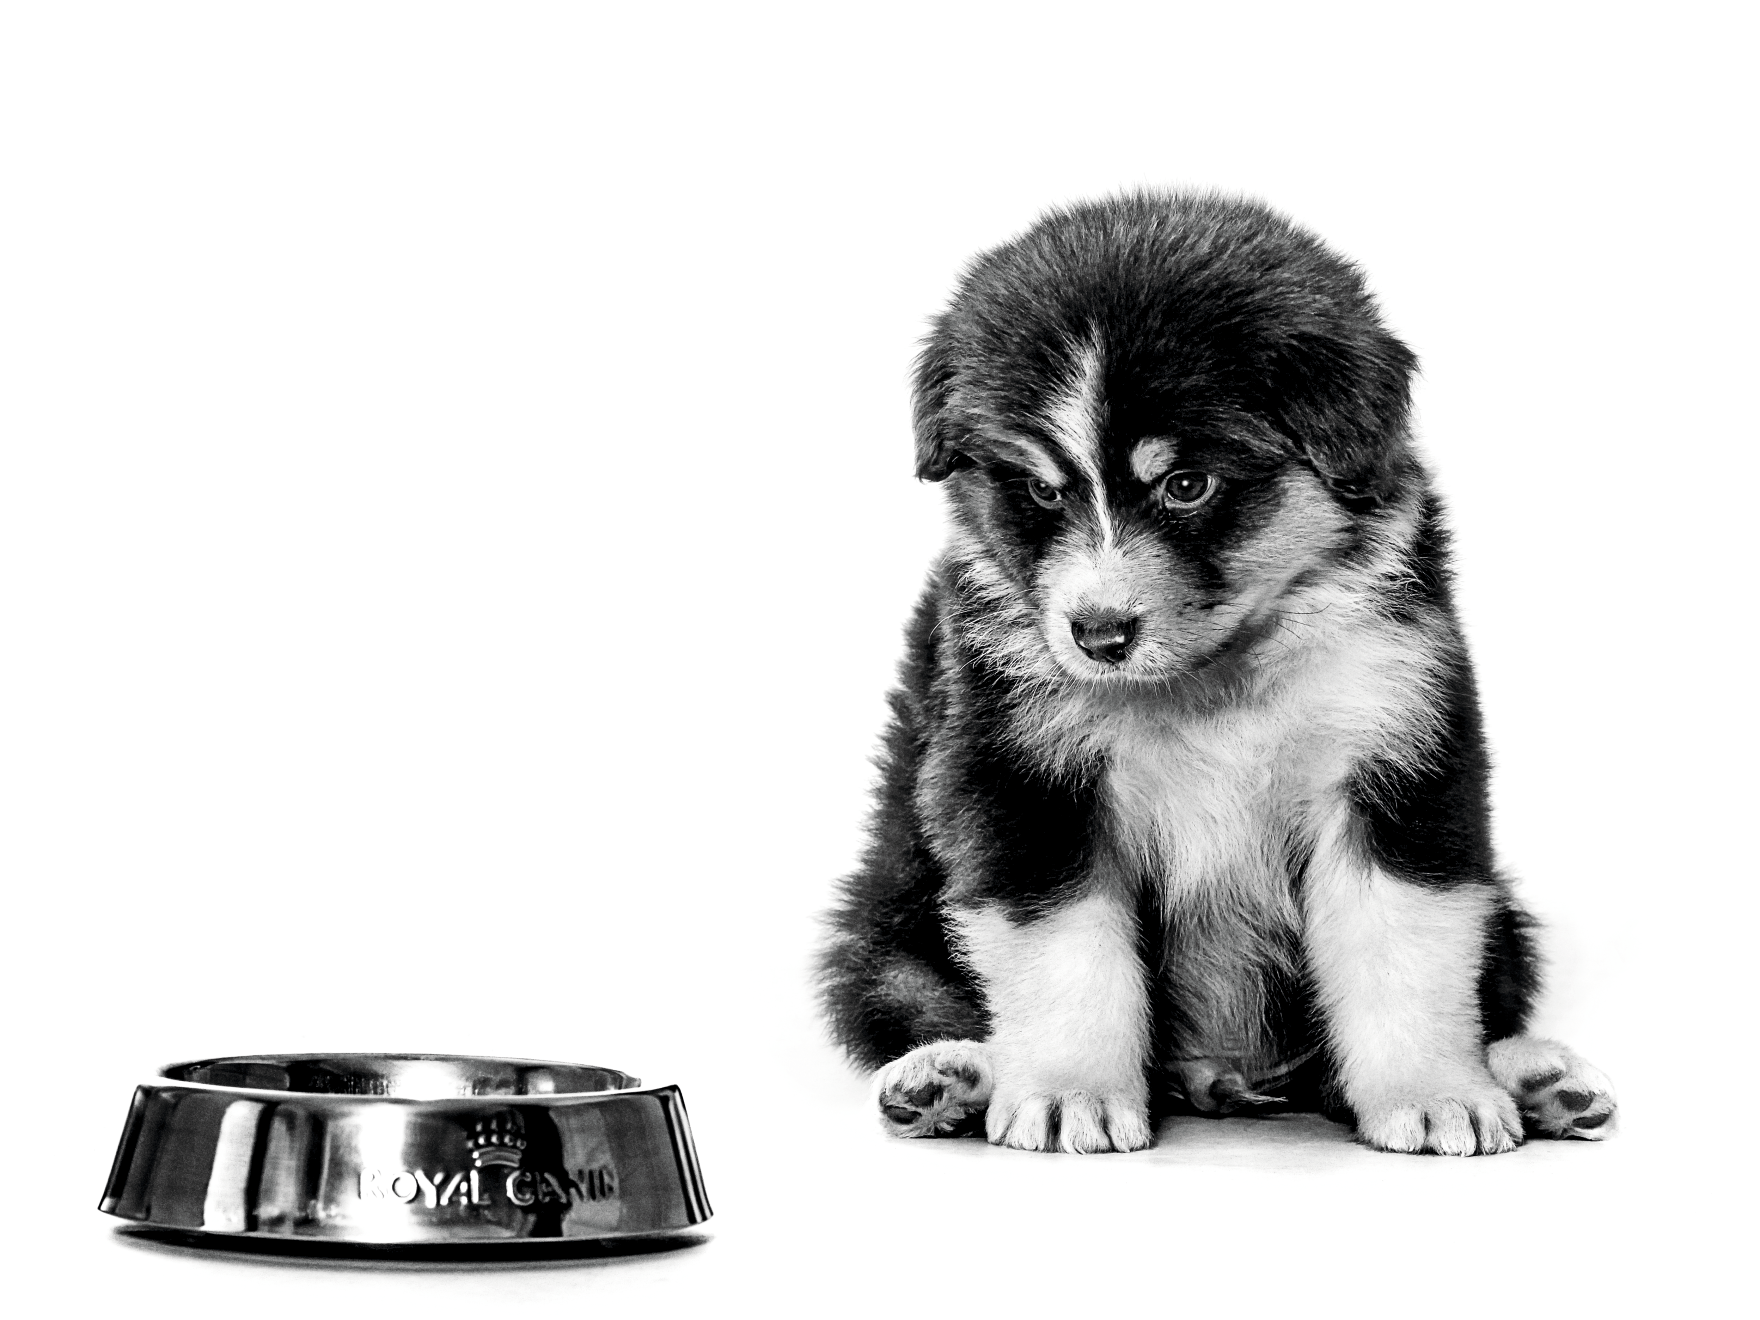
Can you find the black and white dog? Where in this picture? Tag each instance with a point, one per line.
(1184, 801)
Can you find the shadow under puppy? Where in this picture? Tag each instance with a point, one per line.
(1186, 782)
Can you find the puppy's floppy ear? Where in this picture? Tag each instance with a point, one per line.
(937, 457)
(1343, 395)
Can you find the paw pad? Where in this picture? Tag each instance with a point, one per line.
(1557, 1093)
(933, 1091)
(1577, 1102)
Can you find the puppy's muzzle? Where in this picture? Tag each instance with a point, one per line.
(1107, 638)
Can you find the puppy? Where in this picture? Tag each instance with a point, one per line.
(1183, 802)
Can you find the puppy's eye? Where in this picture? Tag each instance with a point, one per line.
(1184, 491)
(1044, 493)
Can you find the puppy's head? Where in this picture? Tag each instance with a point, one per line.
(1158, 418)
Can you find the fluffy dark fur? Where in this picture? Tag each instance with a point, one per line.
(1186, 685)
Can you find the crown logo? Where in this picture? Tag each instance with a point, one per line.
(498, 1140)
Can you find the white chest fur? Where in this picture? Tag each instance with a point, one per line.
(1207, 812)
(1219, 795)
(1208, 807)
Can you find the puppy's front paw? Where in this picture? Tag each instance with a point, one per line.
(1468, 1116)
(1081, 1122)
(931, 1090)
(1559, 1095)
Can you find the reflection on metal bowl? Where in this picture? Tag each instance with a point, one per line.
(403, 1149)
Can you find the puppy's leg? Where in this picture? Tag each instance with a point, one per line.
(934, 1088)
(1069, 1015)
(1396, 966)
(1559, 1095)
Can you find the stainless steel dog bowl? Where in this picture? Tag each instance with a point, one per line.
(396, 1149)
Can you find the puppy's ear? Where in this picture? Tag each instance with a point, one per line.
(937, 456)
(1344, 398)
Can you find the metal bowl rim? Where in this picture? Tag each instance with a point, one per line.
(165, 1081)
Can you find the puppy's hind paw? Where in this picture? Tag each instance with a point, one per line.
(934, 1090)
(1559, 1095)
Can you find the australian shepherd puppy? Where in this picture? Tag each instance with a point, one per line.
(1184, 798)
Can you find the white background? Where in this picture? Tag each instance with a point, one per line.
(456, 525)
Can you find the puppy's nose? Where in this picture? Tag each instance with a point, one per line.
(1106, 637)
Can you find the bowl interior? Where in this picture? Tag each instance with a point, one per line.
(406, 1076)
